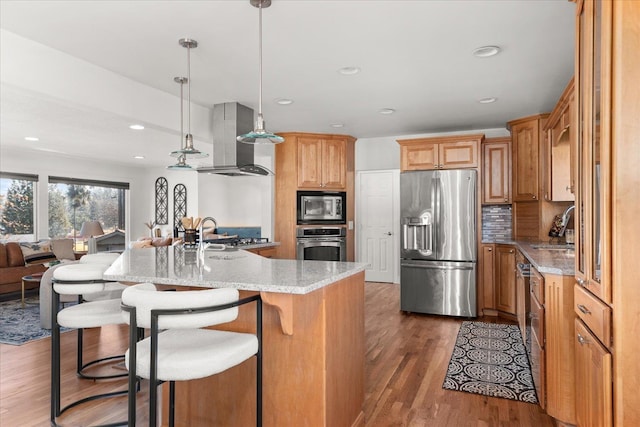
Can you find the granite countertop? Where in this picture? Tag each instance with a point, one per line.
(260, 245)
(555, 260)
(230, 268)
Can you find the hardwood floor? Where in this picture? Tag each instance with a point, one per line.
(407, 357)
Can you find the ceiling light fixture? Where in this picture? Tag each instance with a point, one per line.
(349, 71)
(259, 135)
(138, 157)
(188, 151)
(284, 101)
(486, 51)
(136, 127)
(182, 164)
(31, 138)
(387, 111)
(337, 125)
(487, 100)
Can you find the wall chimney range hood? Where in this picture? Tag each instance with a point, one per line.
(230, 157)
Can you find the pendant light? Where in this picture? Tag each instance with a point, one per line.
(182, 164)
(188, 151)
(259, 135)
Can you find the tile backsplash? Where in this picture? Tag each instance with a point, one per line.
(496, 222)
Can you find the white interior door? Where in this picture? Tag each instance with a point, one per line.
(377, 212)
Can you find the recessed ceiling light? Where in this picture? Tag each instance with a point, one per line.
(136, 127)
(31, 138)
(487, 100)
(349, 71)
(138, 157)
(486, 51)
(284, 101)
(387, 111)
(337, 125)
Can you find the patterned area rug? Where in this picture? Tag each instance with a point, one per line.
(20, 325)
(490, 359)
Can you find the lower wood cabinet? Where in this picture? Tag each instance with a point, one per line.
(269, 252)
(505, 278)
(487, 277)
(593, 379)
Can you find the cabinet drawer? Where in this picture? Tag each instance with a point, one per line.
(536, 282)
(537, 319)
(594, 313)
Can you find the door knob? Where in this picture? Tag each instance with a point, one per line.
(388, 233)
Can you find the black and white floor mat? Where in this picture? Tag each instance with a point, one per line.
(490, 359)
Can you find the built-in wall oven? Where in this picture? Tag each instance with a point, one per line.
(321, 207)
(322, 244)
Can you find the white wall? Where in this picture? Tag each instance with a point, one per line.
(240, 201)
(56, 165)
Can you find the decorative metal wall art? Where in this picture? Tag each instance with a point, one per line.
(179, 206)
(162, 201)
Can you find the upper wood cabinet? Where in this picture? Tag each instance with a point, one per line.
(451, 152)
(527, 136)
(322, 163)
(496, 171)
(560, 144)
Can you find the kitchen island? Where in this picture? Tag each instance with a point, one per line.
(313, 335)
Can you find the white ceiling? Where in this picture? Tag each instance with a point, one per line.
(415, 57)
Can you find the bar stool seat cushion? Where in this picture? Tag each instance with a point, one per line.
(82, 274)
(186, 354)
(100, 258)
(91, 314)
(112, 290)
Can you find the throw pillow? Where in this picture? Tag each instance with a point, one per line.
(36, 252)
(63, 249)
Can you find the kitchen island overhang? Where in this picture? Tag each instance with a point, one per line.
(313, 335)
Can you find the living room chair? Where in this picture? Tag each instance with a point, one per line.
(82, 279)
(178, 348)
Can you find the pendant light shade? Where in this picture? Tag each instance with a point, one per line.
(181, 165)
(187, 149)
(260, 135)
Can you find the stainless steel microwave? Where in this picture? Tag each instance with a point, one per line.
(322, 207)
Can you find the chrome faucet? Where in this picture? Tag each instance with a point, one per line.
(565, 218)
(204, 245)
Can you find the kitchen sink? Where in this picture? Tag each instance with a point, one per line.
(554, 247)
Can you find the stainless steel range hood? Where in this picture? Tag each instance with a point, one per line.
(230, 157)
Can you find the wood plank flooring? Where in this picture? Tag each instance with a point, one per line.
(407, 357)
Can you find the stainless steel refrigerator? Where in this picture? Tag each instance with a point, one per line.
(438, 242)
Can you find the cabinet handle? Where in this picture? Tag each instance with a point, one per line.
(582, 340)
(490, 250)
(582, 282)
(511, 251)
(583, 309)
(568, 188)
(506, 200)
(534, 196)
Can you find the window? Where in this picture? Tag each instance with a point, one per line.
(72, 202)
(17, 212)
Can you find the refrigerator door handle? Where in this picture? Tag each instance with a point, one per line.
(436, 267)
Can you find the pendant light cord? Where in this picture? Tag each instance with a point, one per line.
(260, 59)
(181, 113)
(189, 89)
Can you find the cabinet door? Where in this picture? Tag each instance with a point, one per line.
(593, 380)
(488, 283)
(522, 300)
(419, 157)
(506, 279)
(525, 138)
(537, 360)
(456, 155)
(496, 166)
(309, 163)
(334, 164)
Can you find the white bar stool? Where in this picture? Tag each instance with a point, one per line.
(183, 351)
(82, 280)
